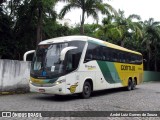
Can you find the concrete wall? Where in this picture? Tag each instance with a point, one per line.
(14, 75)
(151, 76)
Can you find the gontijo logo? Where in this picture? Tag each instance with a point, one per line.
(128, 67)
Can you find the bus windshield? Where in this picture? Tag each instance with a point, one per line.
(47, 64)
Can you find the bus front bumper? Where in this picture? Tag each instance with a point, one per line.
(57, 89)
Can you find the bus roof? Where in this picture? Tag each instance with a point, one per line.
(86, 38)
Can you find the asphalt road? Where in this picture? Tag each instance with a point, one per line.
(146, 97)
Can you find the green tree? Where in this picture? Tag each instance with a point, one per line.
(89, 29)
(6, 34)
(89, 7)
(151, 32)
(106, 31)
(119, 29)
(29, 30)
(125, 27)
(42, 9)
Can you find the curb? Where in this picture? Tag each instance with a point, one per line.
(13, 92)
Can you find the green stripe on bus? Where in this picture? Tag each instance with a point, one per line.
(105, 71)
(113, 71)
(109, 72)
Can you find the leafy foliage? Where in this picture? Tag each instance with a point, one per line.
(151, 40)
(6, 36)
(88, 7)
(21, 29)
(24, 23)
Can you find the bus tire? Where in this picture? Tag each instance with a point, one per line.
(129, 87)
(86, 90)
(133, 85)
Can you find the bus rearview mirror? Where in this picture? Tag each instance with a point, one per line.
(64, 51)
(27, 53)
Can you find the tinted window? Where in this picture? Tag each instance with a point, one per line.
(102, 53)
(91, 53)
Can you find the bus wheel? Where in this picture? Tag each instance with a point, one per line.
(133, 85)
(86, 90)
(129, 87)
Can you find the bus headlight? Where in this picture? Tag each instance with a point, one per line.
(59, 82)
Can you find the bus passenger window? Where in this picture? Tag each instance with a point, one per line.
(89, 56)
(91, 52)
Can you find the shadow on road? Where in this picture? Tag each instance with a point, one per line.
(109, 91)
(58, 98)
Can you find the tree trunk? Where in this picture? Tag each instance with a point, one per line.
(39, 33)
(11, 3)
(39, 24)
(82, 23)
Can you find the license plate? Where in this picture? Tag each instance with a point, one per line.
(42, 90)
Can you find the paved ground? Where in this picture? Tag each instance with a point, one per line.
(146, 97)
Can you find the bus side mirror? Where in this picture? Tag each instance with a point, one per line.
(64, 51)
(27, 53)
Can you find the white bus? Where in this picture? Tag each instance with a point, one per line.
(81, 64)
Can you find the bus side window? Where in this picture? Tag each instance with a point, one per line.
(100, 53)
(103, 54)
(127, 57)
(133, 58)
(120, 57)
(89, 55)
(111, 55)
(94, 53)
(139, 59)
(106, 54)
(123, 57)
(114, 56)
(91, 52)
